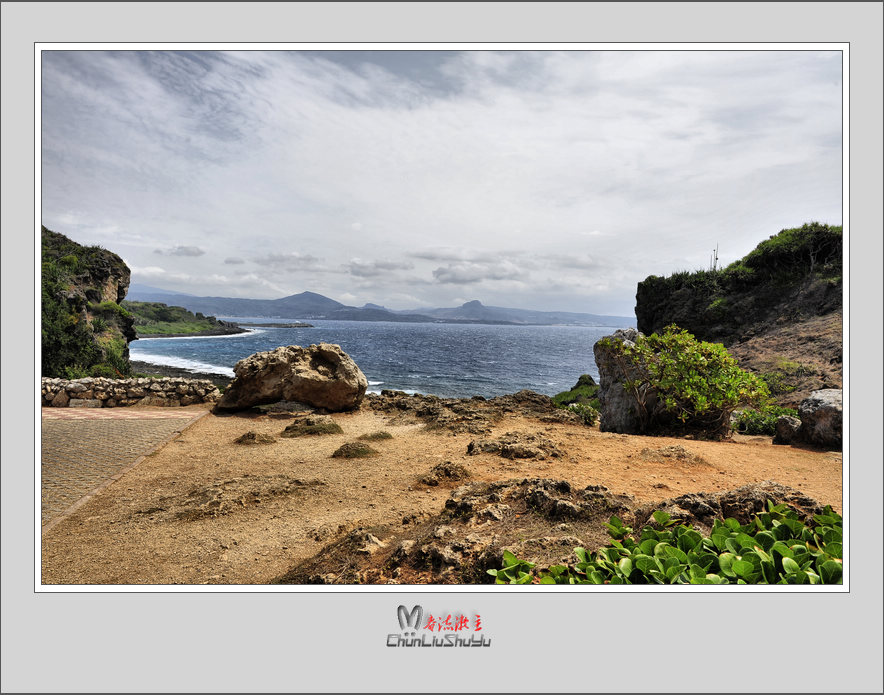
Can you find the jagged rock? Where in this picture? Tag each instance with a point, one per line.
(786, 429)
(617, 405)
(515, 445)
(251, 437)
(821, 418)
(372, 545)
(323, 376)
(444, 472)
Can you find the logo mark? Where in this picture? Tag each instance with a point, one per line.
(412, 620)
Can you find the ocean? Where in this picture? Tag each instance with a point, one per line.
(443, 359)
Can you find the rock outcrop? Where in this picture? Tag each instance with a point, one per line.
(786, 429)
(84, 331)
(778, 310)
(617, 405)
(323, 376)
(821, 419)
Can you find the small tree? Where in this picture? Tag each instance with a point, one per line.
(682, 384)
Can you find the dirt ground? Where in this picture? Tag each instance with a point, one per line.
(204, 509)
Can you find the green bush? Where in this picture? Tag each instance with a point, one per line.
(774, 548)
(582, 399)
(682, 384)
(761, 421)
(587, 413)
(69, 345)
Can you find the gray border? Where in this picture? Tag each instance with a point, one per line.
(292, 642)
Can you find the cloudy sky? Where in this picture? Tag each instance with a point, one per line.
(542, 180)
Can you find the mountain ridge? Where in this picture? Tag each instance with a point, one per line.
(311, 305)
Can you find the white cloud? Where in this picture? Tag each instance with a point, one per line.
(503, 171)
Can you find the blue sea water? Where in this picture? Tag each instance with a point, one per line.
(448, 360)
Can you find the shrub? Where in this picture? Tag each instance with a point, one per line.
(680, 383)
(774, 548)
(761, 421)
(588, 414)
(582, 399)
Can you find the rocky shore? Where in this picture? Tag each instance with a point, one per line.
(162, 370)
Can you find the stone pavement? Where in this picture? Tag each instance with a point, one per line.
(84, 449)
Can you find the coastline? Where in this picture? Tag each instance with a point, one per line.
(139, 367)
(196, 334)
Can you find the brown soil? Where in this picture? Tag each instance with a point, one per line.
(806, 355)
(207, 510)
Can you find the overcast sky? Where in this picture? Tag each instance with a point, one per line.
(542, 180)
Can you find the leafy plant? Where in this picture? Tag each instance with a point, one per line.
(774, 548)
(582, 399)
(587, 413)
(680, 383)
(514, 571)
(761, 421)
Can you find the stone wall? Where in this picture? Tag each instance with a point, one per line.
(99, 392)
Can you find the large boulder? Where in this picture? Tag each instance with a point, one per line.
(821, 418)
(787, 429)
(323, 376)
(618, 407)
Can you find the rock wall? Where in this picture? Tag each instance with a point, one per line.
(618, 406)
(99, 392)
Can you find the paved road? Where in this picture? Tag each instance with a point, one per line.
(84, 448)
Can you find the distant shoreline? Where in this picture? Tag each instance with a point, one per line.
(275, 325)
(235, 330)
(164, 370)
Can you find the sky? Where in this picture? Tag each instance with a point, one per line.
(534, 179)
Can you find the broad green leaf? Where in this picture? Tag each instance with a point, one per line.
(831, 572)
(646, 564)
(765, 539)
(698, 572)
(679, 555)
(742, 568)
(734, 547)
(660, 549)
(661, 517)
(509, 560)
(745, 540)
(626, 566)
(726, 562)
(674, 571)
(790, 566)
(647, 546)
(834, 549)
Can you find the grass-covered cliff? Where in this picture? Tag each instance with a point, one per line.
(84, 330)
(153, 319)
(778, 309)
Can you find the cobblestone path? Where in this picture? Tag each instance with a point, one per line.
(83, 448)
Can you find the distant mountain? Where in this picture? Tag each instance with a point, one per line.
(476, 311)
(310, 305)
(148, 291)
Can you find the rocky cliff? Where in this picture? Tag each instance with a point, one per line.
(778, 310)
(84, 331)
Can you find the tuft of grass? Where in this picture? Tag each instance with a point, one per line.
(312, 426)
(251, 437)
(375, 436)
(355, 450)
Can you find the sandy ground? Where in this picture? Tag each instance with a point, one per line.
(206, 510)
